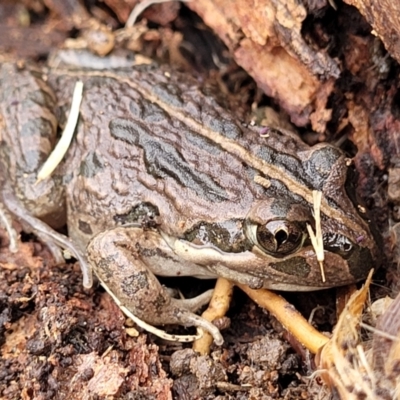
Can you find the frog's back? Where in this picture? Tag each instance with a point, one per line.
(138, 152)
(152, 147)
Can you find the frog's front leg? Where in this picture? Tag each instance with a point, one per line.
(124, 258)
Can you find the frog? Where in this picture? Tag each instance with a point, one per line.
(161, 180)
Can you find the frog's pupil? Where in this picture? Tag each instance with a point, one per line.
(281, 237)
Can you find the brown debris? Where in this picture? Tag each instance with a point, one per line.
(28, 41)
(59, 339)
(328, 73)
(354, 368)
(386, 349)
(383, 16)
(268, 43)
(197, 375)
(22, 36)
(103, 377)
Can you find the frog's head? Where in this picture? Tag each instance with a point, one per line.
(278, 227)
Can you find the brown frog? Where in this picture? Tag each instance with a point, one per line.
(160, 180)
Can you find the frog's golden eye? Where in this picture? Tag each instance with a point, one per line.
(280, 237)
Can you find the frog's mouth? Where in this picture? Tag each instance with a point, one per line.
(297, 272)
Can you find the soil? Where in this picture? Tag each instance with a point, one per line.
(60, 341)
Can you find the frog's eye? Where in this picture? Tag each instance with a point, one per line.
(279, 237)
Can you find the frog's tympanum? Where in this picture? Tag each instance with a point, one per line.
(160, 180)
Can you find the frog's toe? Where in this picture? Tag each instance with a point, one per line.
(175, 312)
(6, 222)
(182, 316)
(54, 249)
(195, 303)
(179, 315)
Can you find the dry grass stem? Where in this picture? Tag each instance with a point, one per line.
(351, 369)
(140, 7)
(316, 238)
(63, 144)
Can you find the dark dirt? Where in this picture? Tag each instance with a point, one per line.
(59, 341)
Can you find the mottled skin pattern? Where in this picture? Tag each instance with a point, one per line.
(161, 180)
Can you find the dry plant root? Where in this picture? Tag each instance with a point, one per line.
(343, 295)
(344, 363)
(288, 316)
(217, 308)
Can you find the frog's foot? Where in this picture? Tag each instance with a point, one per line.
(159, 332)
(46, 234)
(6, 222)
(54, 248)
(122, 259)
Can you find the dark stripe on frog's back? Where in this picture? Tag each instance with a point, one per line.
(188, 176)
(164, 160)
(311, 171)
(91, 165)
(188, 102)
(161, 153)
(289, 163)
(189, 97)
(305, 172)
(151, 113)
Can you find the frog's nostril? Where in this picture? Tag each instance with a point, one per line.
(338, 244)
(347, 247)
